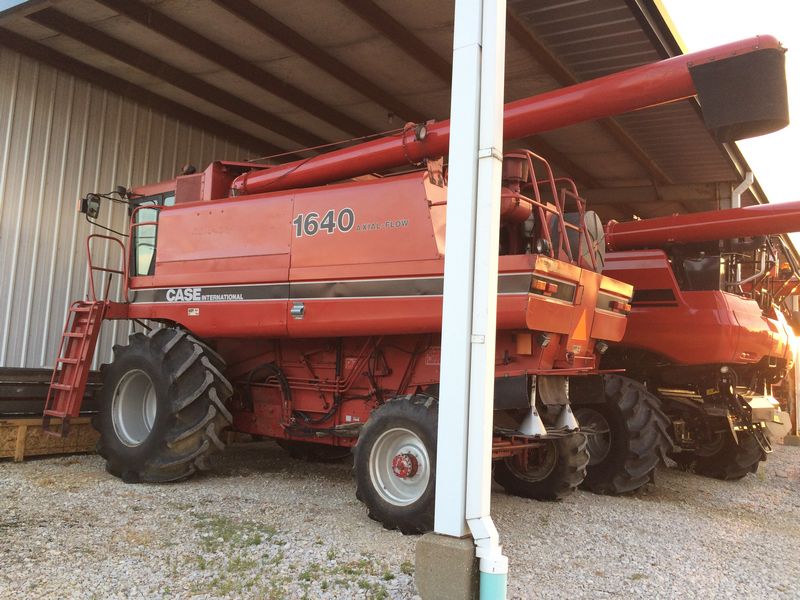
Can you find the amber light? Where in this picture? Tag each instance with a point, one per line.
(622, 307)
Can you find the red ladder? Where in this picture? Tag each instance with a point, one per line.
(74, 360)
(78, 342)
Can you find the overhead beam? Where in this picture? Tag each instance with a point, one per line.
(126, 89)
(425, 55)
(175, 31)
(719, 193)
(554, 67)
(272, 27)
(94, 38)
(401, 36)
(557, 158)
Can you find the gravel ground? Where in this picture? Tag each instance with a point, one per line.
(264, 526)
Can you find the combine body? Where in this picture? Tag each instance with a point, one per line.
(296, 303)
(707, 334)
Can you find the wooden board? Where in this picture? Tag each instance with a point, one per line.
(24, 437)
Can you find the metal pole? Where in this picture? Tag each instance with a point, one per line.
(468, 327)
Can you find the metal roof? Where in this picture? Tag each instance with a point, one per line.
(281, 76)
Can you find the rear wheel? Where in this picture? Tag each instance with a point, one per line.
(627, 436)
(548, 473)
(726, 459)
(395, 464)
(163, 407)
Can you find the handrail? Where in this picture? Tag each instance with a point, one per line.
(92, 268)
(560, 203)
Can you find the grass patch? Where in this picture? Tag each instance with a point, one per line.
(217, 531)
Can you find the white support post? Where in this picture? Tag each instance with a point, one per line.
(470, 287)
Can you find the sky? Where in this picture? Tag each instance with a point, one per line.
(705, 23)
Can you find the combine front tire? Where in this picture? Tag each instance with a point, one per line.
(550, 473)
(627, 436)
(163, 407)
(730, 462)
(395, 464)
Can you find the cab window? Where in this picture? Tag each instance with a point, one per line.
(143, 244)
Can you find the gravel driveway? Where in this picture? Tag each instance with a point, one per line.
(262, 525)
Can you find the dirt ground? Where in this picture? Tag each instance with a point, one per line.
(261, 525)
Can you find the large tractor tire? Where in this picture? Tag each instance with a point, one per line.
(163, 407)
(729, 461)
(551, 473)
(395, 464)
(628, 436)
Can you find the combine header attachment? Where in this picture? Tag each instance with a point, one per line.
(298, 304)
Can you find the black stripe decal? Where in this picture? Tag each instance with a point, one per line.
(655, 295)
(604, 301)
(233, 293)
(565, 291)
(511, 283)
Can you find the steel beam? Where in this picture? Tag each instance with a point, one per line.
(426, 56)
(175, 31)
(689, 193)
(392, 29)
(94, 38)
(557, 158)
(562, 75)
(272, 27)
(126, 89)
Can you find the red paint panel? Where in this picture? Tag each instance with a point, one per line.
(206, 238)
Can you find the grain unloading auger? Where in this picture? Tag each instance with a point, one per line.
(707, 335)
(309, 311)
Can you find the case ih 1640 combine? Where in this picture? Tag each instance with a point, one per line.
(309, 311)
(707, 337)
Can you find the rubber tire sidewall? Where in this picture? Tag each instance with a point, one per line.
(413, 518)
(134, 458)
(618, 452)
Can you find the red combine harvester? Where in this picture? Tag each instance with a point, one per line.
(301, 306)
(706, 335)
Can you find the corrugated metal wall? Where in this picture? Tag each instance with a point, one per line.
(59, 139)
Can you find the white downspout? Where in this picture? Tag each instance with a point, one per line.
(463, 481)
(736, 195)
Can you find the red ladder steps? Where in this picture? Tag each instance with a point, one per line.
(71, 371)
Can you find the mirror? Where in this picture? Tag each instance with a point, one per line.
(90, 205)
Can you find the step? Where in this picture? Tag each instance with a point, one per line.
(68, 361)
(62, 386)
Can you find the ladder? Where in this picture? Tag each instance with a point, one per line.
(74, 360)
(78, 343)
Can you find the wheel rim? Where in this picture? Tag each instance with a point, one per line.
(598, 438)
(712, 447)
(399, 467)
(133, 408)
(540, 463)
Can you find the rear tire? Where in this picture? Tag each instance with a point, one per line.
(395, 464)
(557, 472)
(731, 462)
(632, 437)
(163, 407)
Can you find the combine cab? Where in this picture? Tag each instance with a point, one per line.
(296, 303)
